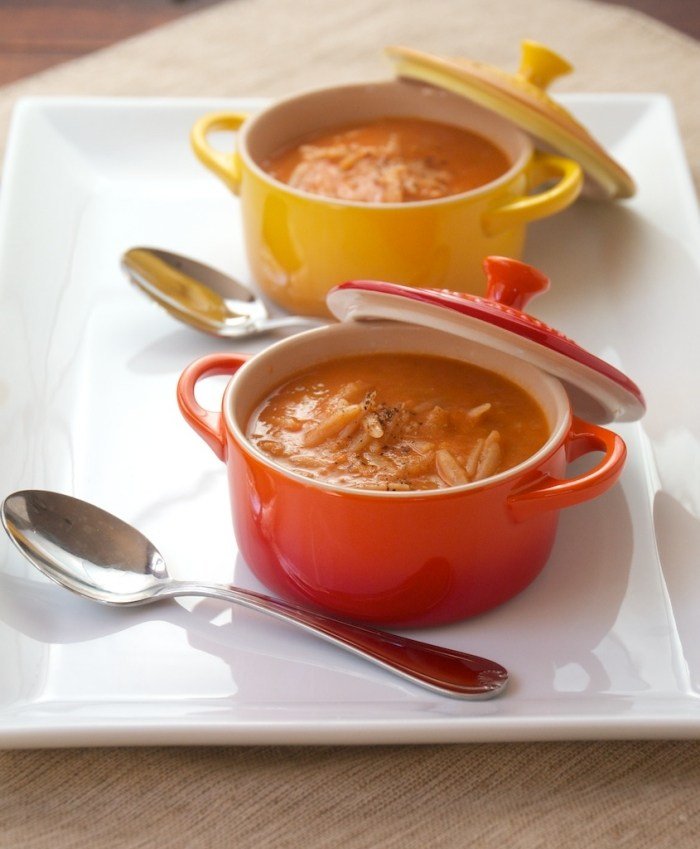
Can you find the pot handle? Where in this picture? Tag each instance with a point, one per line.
(548, 493)
(208, 424)
(543, 167)
(226, 166)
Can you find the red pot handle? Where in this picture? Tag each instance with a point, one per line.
(208, 424)
(549, 493)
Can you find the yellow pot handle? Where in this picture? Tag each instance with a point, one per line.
(543, 167)
(226, 166)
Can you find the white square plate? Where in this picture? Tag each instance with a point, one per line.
(605, 643)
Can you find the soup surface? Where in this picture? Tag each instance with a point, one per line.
(392, 160)
(398, 422)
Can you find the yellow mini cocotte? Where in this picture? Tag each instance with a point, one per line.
(300, 244)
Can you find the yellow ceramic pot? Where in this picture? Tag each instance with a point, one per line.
(300, 245)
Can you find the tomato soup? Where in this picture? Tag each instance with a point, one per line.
(391, 160)
(398, 422)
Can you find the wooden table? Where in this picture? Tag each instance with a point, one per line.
(37, 34)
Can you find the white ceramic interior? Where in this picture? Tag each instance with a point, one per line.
(289, 121)
(254, 381)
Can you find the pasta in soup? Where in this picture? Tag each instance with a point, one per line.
(398, 422)
(391, 160)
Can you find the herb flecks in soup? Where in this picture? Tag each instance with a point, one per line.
(392, 160)
(398, 422)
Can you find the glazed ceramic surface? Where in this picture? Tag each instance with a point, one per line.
(416, 558)
(522, 97)
(300, 245)
(604, 643)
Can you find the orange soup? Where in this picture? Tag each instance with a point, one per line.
(398, 422)
(391, 160)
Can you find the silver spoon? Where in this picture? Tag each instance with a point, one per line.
(203, 297)
(100, 557)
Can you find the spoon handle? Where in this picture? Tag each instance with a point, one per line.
(443, 670)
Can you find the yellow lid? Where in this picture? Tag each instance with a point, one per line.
(522, 98)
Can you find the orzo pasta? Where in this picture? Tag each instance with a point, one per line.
(391, 160)
(398, 422)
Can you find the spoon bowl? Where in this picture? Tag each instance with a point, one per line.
(203, 297)
(100, 557)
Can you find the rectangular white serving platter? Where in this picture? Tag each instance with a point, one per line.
(604, 644)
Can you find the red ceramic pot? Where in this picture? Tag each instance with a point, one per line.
(398, 558)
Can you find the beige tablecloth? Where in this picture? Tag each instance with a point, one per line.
(601, 794)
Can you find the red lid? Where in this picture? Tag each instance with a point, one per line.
(598, 391)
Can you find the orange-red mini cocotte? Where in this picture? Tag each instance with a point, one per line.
(421, 557)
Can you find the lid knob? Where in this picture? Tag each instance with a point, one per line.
(511, 282)
(539, 65)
